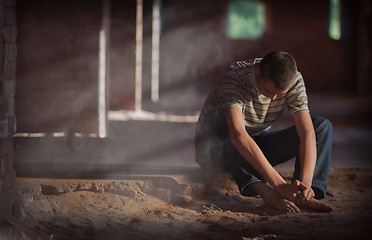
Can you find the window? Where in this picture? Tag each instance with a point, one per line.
(334, 30)
(245, 19)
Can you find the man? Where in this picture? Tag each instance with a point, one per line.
(232, 134)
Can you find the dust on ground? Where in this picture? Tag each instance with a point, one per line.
(175, 207)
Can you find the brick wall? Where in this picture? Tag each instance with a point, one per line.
(8, 57)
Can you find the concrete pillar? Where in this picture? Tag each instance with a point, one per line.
(8, 59)
(364, 47)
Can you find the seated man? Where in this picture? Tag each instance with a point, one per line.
(232, 134)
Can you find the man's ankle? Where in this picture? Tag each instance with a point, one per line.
(263, 189)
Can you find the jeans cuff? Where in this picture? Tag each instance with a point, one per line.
(319, 193)
(247, 190)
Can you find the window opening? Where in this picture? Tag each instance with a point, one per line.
(245, 19)
(139, 114)
(335, 20)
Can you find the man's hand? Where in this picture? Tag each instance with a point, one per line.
(306, 193)
(296, 192)
(289, 191)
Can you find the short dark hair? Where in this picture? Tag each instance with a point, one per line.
(280, 68)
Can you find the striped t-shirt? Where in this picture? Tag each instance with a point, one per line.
(238, 88)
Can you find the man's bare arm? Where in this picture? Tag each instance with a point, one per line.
(248, 148)
(305, 130)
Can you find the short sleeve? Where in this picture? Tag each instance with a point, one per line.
(297, 98)
(230, 91)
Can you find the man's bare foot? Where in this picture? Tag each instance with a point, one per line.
(280, 204)
(273, 199)
(317, 206)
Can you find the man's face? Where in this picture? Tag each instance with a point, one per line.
(268, 88)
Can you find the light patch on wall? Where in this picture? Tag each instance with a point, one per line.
(156, 24)
(102, 85)
(245, 19)
(103, 70)
(149, 116)
(54, 134)
(334, 30)
(138, 73)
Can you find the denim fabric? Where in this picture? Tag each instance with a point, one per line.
(215, 152)
(211, 136)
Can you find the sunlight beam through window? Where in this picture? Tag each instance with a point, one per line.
(155, 51)
(138, 73)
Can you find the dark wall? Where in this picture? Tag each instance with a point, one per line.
(8, 61)
(57, 65)
(301, 28)
(58, 54)
(195, 48)
(122, 52)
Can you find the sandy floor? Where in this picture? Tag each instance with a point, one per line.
(174, 207)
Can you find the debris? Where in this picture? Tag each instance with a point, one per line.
(214, 207)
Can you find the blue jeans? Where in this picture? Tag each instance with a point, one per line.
(214, 151)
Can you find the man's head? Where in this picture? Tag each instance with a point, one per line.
(280, 68)
(276, 73)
